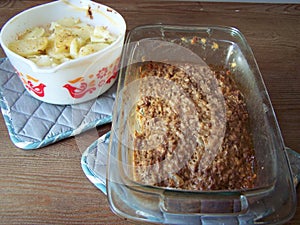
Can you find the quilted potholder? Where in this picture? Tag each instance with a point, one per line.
(94, 161)
(33, 124)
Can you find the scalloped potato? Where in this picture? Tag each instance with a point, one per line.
(61, 41)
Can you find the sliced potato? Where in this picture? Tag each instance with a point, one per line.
(84, 31)
(42, 60)
(75, 46)
(101, 34)
(35, 32)
(55, 56)
(91, 48)
(28, 47)
(63, 39)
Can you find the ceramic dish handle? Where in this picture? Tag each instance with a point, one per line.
(294, 158)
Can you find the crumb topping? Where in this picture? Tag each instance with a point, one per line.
(193, 129)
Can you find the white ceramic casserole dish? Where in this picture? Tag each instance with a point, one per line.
(77, 80)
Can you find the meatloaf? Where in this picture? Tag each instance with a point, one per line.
(191, 129)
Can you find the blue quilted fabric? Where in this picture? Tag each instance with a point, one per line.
(94, 162)
(33, 124)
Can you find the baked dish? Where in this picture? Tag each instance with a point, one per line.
(206, 104)
(194, 136)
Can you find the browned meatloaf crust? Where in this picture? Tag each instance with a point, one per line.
(192, 129)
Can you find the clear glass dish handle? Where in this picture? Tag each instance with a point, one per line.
(294, 158)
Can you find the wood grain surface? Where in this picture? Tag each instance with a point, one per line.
(48, 186)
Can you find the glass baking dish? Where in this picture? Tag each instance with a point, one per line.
(267, 194)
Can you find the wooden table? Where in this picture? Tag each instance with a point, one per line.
(48, 186)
